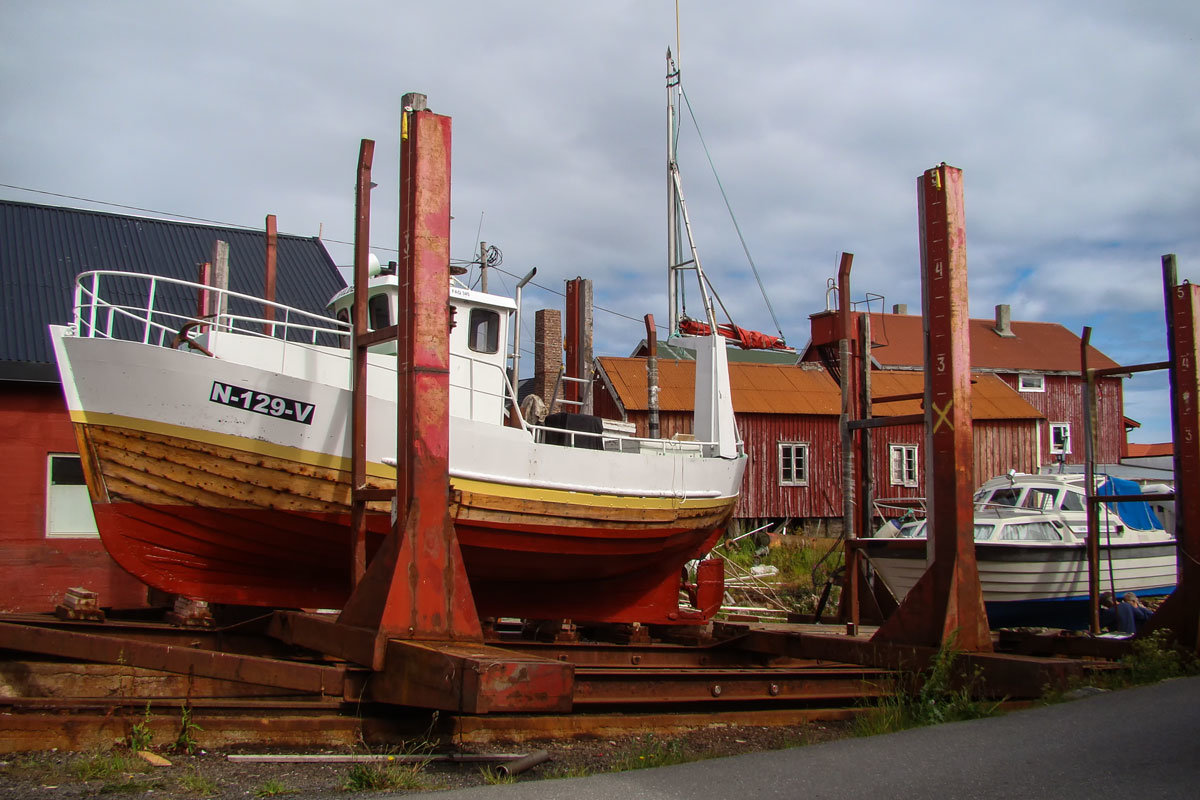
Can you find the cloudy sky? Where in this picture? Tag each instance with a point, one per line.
(1076, 125)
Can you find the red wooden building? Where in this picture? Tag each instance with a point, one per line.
(1039, 360)
(788, 419)
(48, 539)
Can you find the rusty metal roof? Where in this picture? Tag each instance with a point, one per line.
(800, 389)
(898, 341)
(757, 388)
(991, 398)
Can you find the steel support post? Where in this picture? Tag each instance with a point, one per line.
(946, 604)
(416, 585)
(1181, 611)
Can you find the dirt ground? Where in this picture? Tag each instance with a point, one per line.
(54, 775)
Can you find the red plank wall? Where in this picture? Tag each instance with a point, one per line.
(37, 571)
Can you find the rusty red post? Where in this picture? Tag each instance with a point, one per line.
(1181, 611)
(416, 585)
(946, 604)
(571, 345)
(358, 420)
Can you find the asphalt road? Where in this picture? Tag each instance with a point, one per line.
(1136, 743)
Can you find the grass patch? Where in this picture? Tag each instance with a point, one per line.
(940, 694)
(195, 783)
(651, 751)
(493, 777)
(1157, 657)
(106, 766)
(384, 776)
(805, 565)
(273, 788)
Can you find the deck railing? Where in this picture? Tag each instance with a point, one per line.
(152, 309)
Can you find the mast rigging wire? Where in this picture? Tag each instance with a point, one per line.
(732, 216)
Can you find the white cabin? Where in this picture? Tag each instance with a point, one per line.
(478, 341)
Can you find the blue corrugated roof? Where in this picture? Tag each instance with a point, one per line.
(43, 248)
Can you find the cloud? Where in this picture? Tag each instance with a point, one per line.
(1075, 128)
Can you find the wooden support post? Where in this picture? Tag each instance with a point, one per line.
(653, 430)
(269, 278)
(204, 303)
(579, 344)
(946, 604)
(220, 277)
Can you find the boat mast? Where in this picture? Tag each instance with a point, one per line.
(672, 202)
(677, 214)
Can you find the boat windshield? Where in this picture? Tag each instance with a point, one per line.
(1030, 532)
(1005, 497)
(1040, 499)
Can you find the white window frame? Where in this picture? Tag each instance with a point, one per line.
(793, 448)
(1031, 382)
(903, 465)
(1060, 449)
(68, 505)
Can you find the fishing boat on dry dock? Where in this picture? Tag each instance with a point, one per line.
(217, 448)
(1030, 546)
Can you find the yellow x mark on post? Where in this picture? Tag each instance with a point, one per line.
(943, 415)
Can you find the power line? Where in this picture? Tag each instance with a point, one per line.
(170, 214)
(251, 227)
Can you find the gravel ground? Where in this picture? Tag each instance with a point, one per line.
(54, 775)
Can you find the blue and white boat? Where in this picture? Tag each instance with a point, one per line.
(1030, 546)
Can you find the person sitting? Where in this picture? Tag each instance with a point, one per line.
(1108, 612)
(1138, 611)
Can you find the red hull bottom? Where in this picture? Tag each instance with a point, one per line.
(302, 560)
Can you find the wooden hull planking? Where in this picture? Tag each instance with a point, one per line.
(242, 527)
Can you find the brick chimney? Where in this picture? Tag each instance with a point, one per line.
(900, 308)
(1004, 322)
(547, 351)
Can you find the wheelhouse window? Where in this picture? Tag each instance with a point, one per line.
(68, 505)
(1028, 382)
(483, 331)
(793, 464)
(903, 464)
(1060, 438)
(379, 312)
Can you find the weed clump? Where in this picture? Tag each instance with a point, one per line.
(651, 751)
(1157, 657)
(938, 695)
(385, 776)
